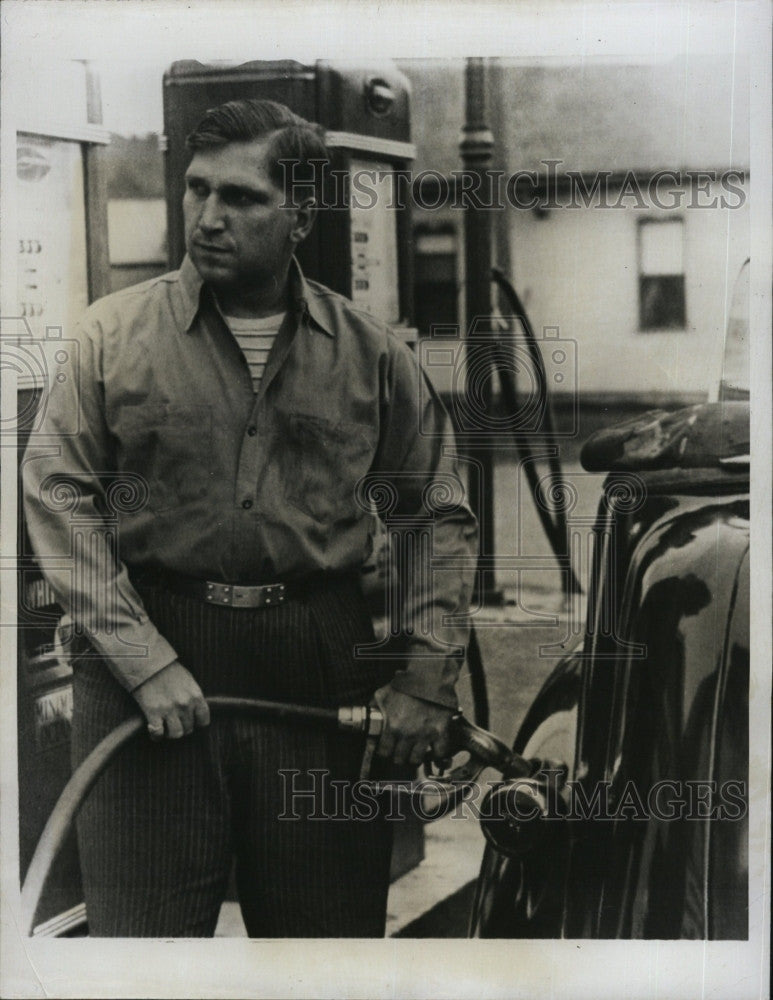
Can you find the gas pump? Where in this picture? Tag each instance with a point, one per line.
(62, 265)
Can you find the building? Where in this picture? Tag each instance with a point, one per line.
(623, 218)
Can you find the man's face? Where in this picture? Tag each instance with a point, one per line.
(236, 233)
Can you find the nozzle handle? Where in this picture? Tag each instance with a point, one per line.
(487, 749)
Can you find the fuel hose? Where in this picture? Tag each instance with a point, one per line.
(556, 531)
(91, 768)
(484, 748)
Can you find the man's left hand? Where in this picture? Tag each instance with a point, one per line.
(413, 729)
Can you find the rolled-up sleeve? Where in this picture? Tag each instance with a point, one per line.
(433, 528)
(72, 496)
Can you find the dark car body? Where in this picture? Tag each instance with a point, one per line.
(645, 832)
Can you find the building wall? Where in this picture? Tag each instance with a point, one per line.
(577, 272)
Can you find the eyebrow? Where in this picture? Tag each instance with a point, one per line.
(229, 189)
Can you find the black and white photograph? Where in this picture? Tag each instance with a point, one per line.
(385, 549)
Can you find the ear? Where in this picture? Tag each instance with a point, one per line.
(305, 215)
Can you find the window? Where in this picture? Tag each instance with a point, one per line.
(435, 289)
(661, 275)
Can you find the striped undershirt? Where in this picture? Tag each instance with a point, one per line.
(255, 336)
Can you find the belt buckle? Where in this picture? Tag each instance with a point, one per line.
(235, 596)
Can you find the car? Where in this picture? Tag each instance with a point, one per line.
(636, 823)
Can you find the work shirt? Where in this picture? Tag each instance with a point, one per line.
(176, 464)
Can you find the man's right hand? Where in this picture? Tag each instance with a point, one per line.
(172, 703)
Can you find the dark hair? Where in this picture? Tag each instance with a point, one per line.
(296, 152)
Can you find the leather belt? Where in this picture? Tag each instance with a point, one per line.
(237, 595)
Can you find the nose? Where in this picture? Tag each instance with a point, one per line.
(212, 219)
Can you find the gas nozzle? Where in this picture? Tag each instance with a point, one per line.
(445, 791)
(438, 793)
(487, 750)
(367, 719)
(513, 804)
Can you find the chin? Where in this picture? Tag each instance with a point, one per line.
(213, 272)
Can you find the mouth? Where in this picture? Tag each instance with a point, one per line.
(211, 248)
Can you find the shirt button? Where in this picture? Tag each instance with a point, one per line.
(246, 504)
(252, 431)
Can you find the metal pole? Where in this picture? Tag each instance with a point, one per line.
(502, 255)
(476, 148)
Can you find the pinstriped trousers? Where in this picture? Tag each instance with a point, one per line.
(159, 832)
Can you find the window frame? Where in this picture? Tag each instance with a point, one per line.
(645, 279)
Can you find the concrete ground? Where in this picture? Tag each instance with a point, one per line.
(434, 899)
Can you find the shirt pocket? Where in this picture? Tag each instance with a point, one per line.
(323, 462)
(171, 448)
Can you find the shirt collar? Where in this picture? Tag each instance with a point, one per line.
(305, 300)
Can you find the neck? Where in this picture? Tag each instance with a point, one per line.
(256, 300)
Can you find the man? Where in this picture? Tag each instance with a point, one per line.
(244, 405)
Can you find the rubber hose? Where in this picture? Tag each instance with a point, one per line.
(525, 452)
(572, 584)
(478, 684)
(86, 774)
(557, 531)
(557, 535)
